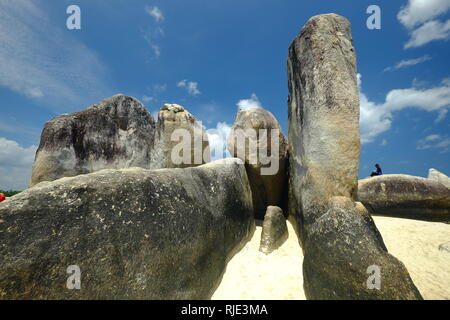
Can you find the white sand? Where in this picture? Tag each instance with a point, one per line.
(251, 275)
(416, 244)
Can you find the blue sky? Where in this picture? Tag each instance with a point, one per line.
(213, 56)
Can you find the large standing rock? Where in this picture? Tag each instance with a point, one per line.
(274, 230)
(175, 123)
(405, 196)
(323, 116)
(435, 175)
(115, 133)
(339, 240)
(267, 174)
(134, 233)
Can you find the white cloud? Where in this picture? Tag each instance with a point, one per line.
(430, 31)
(432, 99)
(150, 38)
(253, 102)
(15, 164)
(190, 86)
(421, 14)
(218, 138)
(147, 99)
(434, 141)
(420, 11)
(374, 119)
(377, 118)
(408, 63)
(155, 12)
(45, 62)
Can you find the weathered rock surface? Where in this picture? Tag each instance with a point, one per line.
(339, 240)
(175, 125)
(435, 175)
(264, 153)
(341, 247)
(274, 231)
(134, 233)
(323, 116)
(405, 196)
(113, 134)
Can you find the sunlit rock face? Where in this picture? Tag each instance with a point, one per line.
(339, 238)
(113, 134)
(438, 176)
(134, 233)
(256, 138)
(180, 140)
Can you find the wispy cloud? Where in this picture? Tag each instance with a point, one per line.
(419, 16)
(408, 63)
(155, 12)
(147, 99)
(152, 36)
(377, 118)
(190, 86)
(15, 164)
(434, 141)
(44, 62)
(442, 115)
(430, 31)
(253, 102)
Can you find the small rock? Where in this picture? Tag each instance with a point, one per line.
(444, 247)
(435, 175)
(274, 232)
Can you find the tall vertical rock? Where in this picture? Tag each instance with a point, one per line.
(257, 139)
(113, 134)
(180, 140)
(340, 241)
(323, 115)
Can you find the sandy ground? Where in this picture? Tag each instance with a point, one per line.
(416, 244)
(252, 275)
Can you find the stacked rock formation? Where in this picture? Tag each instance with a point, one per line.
(340, 242)
(118, 133)
(257, 139)
(136, 233)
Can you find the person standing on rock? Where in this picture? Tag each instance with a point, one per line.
(377, 172)
(2, 197)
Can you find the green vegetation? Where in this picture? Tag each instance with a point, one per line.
(10, 193)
